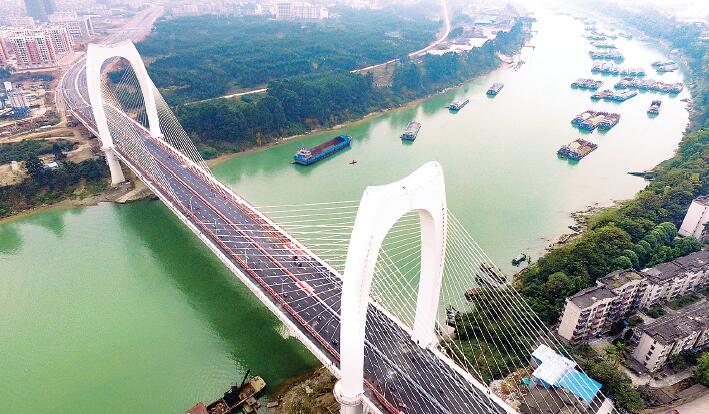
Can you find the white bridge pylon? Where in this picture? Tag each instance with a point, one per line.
(380, 208)
(96, 56)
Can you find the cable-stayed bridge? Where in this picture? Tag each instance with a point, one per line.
(376, 289)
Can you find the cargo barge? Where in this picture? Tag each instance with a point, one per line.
(458, 105)
(602, 45)
(495, 89)
(654, 108)
(411, 132)
(590, 120)
(236, 399)
(590, 84)
(649, 85)
(609, 95)
(306, 156)
(576, 149)
(606, 55)
(607, 68)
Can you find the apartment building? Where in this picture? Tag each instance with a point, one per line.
(60, 38)
(3, 53)
(667, 281)
(696, 219)
(593, 310)
(686, 329)
(79, 27)
(33, 49)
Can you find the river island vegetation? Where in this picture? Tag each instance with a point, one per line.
(202, 57)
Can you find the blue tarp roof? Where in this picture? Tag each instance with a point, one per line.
(580, 384)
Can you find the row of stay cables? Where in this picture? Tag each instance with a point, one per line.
(172, 131)
(484, 325)
(129, 134)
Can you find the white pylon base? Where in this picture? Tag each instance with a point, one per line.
(114, 167)
(347, 405)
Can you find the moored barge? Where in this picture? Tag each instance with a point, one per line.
(576, 149)
(458, 105)
(654, 108)
(495, 89)
(411, 132)
(235, 399)
(590, 84)
(590, 120)
(306, 156)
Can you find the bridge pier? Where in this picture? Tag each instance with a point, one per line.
(114, 166)
(348, 405)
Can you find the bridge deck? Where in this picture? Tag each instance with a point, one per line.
(401, 376)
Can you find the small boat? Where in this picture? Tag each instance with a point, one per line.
(458, 105)
(238, 398)
(519, 259)
(411, 132)
(495, 89)
(654, 108)
(353, 162)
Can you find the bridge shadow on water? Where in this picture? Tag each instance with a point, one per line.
(253, 335)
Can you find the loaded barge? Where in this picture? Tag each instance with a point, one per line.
(238, 398)
(458, 105)
(590, 120)
(590, 84)
(495, 89)
(649, 85)
(411, 132)
(306, 156)
(609, 95)
(576, 149)
(654, 108)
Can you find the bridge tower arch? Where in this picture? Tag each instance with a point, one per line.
(96, 56)
(380, 208)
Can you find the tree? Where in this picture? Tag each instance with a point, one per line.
(630, 254)
(701, 373)
(623, 262)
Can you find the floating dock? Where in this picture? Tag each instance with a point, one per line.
(458, 105)
(495, 88)
(602, 45)
(411, 132)
(590, 120)
(576, 149)
(590, 84)
(306, 156)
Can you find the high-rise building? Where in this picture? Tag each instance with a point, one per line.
(79, 27)
(696, 221)
(39, 9)
(33, 49)
(20, 21)
(3, 53)
(60, 38)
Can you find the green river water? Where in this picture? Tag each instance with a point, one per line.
(121, 309)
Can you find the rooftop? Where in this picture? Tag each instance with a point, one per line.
(669, 328)
(663, 271)
(616, 279)
(694, 260)
(703, 200)
(590, 296)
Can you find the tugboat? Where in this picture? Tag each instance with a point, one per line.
(654, 108)
(238, 398)
(458, 105)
